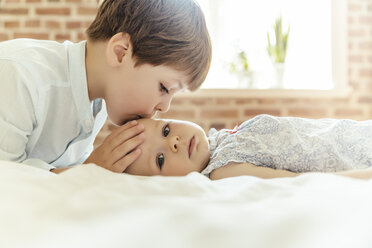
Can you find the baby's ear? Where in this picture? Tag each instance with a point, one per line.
(117, 47)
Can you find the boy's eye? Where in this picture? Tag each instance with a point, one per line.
(163, 88)
(166, 130)
(160, 160)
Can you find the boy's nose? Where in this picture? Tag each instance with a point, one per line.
(173, 143)
(163, 106)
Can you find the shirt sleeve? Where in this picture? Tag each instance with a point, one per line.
(17, 114)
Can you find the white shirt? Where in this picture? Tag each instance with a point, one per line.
(46, 117)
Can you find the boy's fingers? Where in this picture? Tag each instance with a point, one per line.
(128, 146)
(120, 129)
(127, 160)
(126, 135)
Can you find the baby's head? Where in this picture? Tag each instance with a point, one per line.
(171, 148)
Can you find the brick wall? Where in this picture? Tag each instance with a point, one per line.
(46, 19)
(67, 19)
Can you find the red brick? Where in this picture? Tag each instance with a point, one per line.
(356, 59)
(350, 20)
(53, 11)
(32, 23)
(307, 112)
(356, 32)
(365, 73)
(365, 20)
(82, 36)
(365, 46)
(13, 11)
(350, 46)
(217, 126)
(53, 24)
(220, 114)
(62, 37)
(354, 7)
(355, 85)
(4, 37)
(11, 24)
(41, 36)
(245, 101)
(73, 25)
(198, 102)
(86, 24)
(177, 101)
(365, 99)
(87, 11)
(348, 112)
(267, 101)
(254, 112)
(178, 114)
(223, 101)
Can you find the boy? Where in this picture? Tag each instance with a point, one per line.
(53, 97)
(264, 146)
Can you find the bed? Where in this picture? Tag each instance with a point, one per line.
(89, 206)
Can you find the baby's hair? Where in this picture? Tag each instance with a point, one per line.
(163, 32)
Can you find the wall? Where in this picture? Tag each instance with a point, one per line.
(67, 19)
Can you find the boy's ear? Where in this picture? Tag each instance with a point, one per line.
(117, 47)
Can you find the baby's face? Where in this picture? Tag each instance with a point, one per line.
(171, 148)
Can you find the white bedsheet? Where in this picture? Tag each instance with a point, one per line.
(92, 207)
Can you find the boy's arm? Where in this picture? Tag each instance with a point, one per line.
(240, 169)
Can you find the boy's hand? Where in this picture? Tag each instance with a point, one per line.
(119, 149)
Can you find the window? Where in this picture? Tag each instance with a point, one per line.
(316, 51)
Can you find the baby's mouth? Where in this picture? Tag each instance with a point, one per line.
(191, 145)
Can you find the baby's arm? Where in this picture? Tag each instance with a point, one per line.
(240, 169)
(359, 174)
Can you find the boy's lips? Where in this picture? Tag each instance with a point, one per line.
(191, 145)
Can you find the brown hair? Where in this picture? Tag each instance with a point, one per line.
(163, 32)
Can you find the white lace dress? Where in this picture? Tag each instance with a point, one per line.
(294, 144)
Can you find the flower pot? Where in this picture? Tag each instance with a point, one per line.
(278, 75)
(244, 79)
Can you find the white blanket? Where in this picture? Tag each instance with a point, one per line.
(92, 207)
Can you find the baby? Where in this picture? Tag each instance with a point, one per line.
(264, 146)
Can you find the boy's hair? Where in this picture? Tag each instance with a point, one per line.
(162, 32)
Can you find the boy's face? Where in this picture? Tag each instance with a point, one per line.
(135, 92)
(171, 148)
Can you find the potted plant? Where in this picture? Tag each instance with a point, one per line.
(277, 49)
(240, 67)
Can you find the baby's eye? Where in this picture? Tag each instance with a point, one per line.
(163, 88)
(166, 130)
(160, 160)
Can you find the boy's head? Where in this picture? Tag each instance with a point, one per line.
(164, 34)
(171, 148)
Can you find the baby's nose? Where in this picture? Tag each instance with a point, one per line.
(174, 142)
